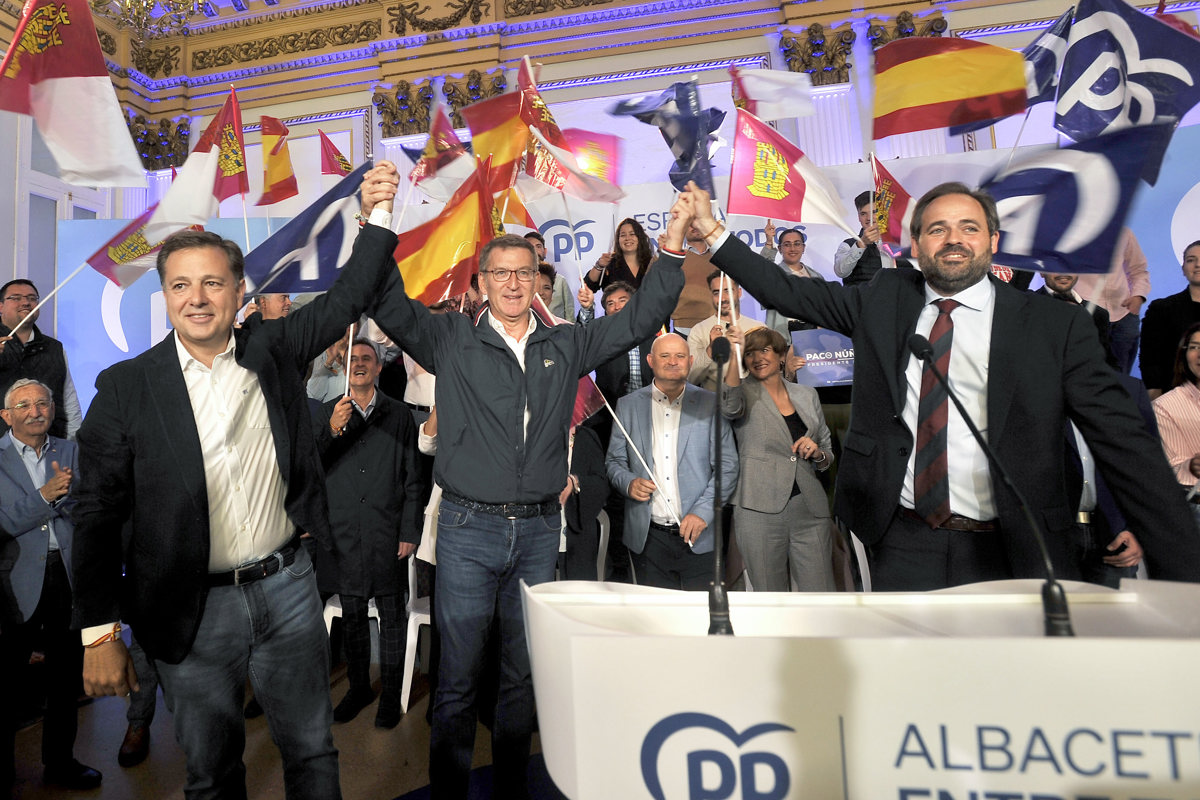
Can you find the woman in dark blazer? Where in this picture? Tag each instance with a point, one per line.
(781, 515)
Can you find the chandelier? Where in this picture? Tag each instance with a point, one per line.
(148, 19)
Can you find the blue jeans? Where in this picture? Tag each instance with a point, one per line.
(272, 632)
(1123, 336)
(481, 560)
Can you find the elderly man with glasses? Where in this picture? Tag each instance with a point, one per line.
(29, 353)
(505, 394)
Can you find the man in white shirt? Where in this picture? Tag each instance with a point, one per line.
(203, 472)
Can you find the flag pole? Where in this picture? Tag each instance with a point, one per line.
(46, 299)
(642, 461)
(349, 350)
(574, 238)
(1017, 141)
(245, 220)
(412, 184)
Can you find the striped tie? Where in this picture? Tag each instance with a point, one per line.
(932, 489)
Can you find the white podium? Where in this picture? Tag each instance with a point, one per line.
(952, 695)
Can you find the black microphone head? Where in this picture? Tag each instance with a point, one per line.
(720, 350)
(920, 347)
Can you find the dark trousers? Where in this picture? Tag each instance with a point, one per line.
(50, 624)
(143, 701)
(357, 641)
(1086, 548)
(668, 563)
(913, 558)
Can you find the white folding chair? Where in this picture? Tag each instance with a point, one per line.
(418, 615)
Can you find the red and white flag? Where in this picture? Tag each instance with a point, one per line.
(332, 160)
(893, 206)
(445, 163)
(54, 72)
(771, 177)
(575, 181)
(128, 255)
(210, 174)
(771, 94)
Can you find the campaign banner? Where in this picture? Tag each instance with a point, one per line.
(830, 357)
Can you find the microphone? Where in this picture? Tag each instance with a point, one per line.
(1054, 598)
(720, 352)
(718, 599)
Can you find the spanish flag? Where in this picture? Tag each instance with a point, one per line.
(436, 259)
(923, 83)
(279, 178)
(498, 130)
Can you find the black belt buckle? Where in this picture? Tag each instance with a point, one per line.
(256, 572)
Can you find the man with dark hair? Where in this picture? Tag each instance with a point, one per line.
(368, 445)
(36, 538)
(199, 470)
(561, 304)
(727, 321)
(914, 485)
(506, 386)
(1166, 320)
(857, 260)
(29, 353)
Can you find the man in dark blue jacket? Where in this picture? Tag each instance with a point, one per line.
(505, 394)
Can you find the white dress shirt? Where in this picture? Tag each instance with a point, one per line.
(246, 516)
(665, 415)
(971, 492)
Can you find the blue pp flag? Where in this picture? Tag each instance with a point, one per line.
(306, 254)
(1124, 68)
(685, 127)
(1062, 210)
(1043, 58)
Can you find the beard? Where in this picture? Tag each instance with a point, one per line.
(949, 280)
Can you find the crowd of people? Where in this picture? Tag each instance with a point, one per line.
(229, 482)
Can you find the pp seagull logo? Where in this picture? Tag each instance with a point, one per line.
(547, 363)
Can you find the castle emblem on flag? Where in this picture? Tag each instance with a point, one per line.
(132, 246)
(770, 173)
(231, 160)
(41, 33)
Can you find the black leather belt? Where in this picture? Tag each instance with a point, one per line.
(249, 573)
(671, 529)
(956, 522)
(506, 510)
(419, 407)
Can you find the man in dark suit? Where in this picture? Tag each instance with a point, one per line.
(36, 535)
(669, 512)
(204, 446)
(368, 445)
(1047, 365)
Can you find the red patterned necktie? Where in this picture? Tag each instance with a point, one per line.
(932, 489)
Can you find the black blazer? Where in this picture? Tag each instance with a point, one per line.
(140, 462)
(1047, 365)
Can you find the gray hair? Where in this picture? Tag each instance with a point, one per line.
(21, 384)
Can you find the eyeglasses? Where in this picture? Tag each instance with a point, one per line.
(40, 405)
(502, 275)
(17, 298)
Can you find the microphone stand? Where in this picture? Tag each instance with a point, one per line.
(1054, 597)
(718, 599)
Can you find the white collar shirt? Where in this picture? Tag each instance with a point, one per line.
(665, 415)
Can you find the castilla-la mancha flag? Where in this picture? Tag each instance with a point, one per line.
(54, 72)
(893, 206)
(772, 178)
(332, 160)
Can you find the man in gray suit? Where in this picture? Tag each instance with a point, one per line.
(669, 513)
(35, 591)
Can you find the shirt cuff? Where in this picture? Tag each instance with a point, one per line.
(381, 217)
(720, 240)
(94, 632)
